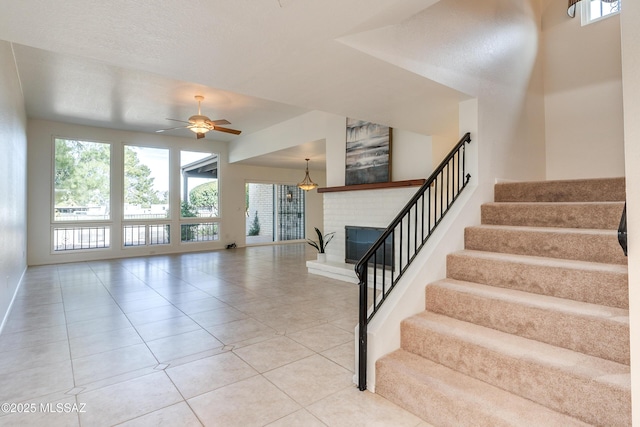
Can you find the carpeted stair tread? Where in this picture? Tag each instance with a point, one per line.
(566, 243)
(588, 328)
(597, 215)
(579, 190)
(596, 283)
(594, 390)
(534, 312)
(444, 397)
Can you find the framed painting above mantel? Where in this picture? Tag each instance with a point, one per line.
(368, 156)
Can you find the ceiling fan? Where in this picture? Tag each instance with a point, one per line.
(200, 124)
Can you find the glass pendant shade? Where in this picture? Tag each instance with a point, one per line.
(307, 184)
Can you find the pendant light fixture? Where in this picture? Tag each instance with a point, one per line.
(306, 183)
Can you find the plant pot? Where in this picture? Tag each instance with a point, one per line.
(322, 257)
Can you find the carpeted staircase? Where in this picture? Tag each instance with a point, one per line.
(531, 326)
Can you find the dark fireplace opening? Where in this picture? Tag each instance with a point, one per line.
(358, 241)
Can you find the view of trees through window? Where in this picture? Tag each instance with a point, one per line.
(81, 180)
(199, 183)
(199, 195)
(146, 182)
(82, 188)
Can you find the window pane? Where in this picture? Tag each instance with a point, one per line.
(159, 234)
(136, 235)
(199, 232)
(599, 9)
(81, 180)
(75, 238)
(146, 182)
(199, 184)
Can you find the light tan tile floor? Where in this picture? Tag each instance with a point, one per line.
(241, 337)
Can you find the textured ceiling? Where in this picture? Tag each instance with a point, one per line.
(130, 65)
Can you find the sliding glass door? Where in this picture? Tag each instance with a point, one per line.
(274, 213)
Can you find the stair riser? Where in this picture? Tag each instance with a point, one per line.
(605, 216)
(444, 397)
(429, 404)
(596, 287)
(593, 402)
(598, 337)
(600, 247)
(601, 190)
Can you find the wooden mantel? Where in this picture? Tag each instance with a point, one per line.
(376, 186)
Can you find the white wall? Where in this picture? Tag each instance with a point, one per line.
(312, 126)
(488, 50)
(631, 84)
(583, 95)
(411, 155)
(232, 191)
(13, 181)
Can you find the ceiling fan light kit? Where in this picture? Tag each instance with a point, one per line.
(200, 124)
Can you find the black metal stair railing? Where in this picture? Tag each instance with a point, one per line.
(407, 234)
(622, 230)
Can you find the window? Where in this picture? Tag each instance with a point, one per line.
(274, 212)
(199, 184)
(198, 197)
(146, 234)
(81, 216)
(82, 185)
(146, 196)
(595, 10)
(199, 232)
(75, 238)
(146, 183)
(82, 192)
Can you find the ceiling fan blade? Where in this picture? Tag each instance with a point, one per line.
(176, 120)
(218, 122)
(164, 130)
(226, 130)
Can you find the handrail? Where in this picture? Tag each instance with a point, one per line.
(622, 230)
(419, 218)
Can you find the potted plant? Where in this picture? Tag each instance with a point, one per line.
(321, 243)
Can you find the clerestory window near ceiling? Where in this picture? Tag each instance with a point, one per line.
(594, 10)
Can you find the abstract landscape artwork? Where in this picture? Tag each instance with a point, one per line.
(368, 153)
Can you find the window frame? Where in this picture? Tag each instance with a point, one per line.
(585, 12)
(123, 191)
(112, 232)
(53, 182)
(147, 223)
(197, 221)
(55, 225)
